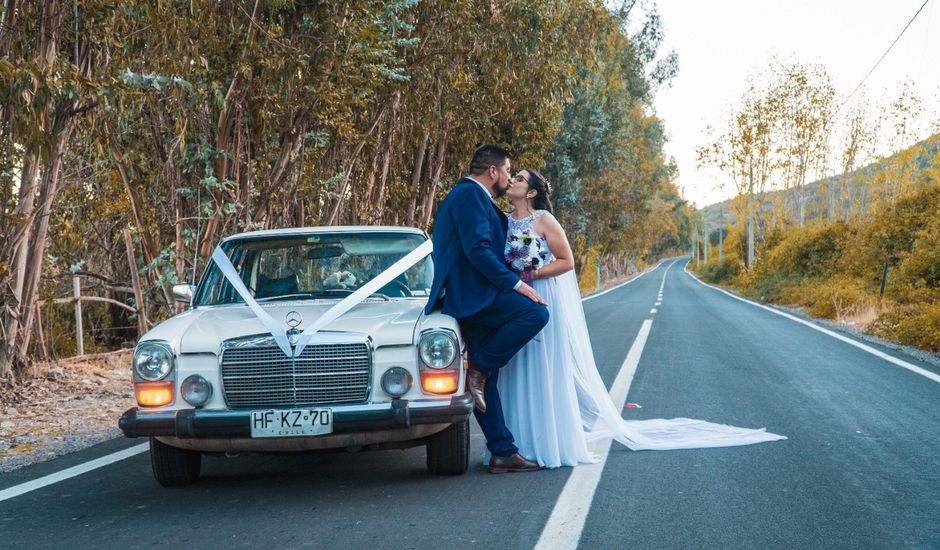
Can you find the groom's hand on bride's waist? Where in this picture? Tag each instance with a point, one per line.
(530, 293)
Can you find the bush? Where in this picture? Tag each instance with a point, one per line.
(905, 235)
(839, 298)
(809, 253)
(724, 271)
(915, 325)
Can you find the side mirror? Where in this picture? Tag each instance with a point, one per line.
(184, 293)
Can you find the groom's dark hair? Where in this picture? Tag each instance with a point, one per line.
(486, 156)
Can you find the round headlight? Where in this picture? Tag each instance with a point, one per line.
(437, 349)
(153, 361)
(396, 381)
(196, 390)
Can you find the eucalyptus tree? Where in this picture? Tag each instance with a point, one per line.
(606, 159)
(50, 68)
(183, 121)
(802, 98)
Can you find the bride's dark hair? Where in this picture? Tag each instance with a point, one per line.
(543, 189)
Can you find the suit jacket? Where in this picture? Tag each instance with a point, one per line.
(469, 241)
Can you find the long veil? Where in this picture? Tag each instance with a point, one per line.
(601, 417)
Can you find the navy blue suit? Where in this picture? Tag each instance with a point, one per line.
(473, 284)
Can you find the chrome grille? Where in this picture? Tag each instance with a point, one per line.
(262, 376)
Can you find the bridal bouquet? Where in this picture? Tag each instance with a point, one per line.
(525, 253)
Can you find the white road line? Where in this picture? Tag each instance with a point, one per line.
(611, 289)
(880, 354)
(653, 310)
(564, 526)
(22, 488)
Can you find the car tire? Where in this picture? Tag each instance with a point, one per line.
(173, 466)
(449, 450)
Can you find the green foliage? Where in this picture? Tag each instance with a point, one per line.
(811, 252)
(606, 160)
(187, 121)
(722, 271)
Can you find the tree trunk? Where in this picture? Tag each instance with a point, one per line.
(340, 200)
(418, 166)
(428, 206)
(378, 202)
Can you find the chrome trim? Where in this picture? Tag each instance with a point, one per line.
(267, 340)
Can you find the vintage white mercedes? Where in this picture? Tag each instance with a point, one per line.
(301, 340)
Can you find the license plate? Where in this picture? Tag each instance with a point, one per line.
(291, 422)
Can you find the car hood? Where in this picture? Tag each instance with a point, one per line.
(202, 330)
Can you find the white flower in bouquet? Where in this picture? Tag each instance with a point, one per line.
(340, 279)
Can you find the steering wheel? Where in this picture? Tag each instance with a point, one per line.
(396, 288)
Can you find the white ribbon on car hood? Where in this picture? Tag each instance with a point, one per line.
(347, 303)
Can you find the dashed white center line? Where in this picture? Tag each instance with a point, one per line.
(653, 310)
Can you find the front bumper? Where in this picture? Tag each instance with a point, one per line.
(199, 423)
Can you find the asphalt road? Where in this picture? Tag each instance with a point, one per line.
(859, 468)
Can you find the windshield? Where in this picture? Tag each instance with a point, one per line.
(324, 265)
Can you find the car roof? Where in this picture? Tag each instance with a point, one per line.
(289, 231)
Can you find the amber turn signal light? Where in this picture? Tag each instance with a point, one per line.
(439, 381)
(154, 394)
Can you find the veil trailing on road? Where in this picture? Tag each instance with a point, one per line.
(601, 418)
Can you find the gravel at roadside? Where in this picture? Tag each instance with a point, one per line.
(73, 404)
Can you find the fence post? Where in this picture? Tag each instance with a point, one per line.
(77, 294)
(135, 280)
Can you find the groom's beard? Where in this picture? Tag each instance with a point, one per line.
(499, 191)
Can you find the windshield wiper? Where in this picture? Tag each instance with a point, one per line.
(347, 291)
(302, 295)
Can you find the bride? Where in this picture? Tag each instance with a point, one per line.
(555, 401)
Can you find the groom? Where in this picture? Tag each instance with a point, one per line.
(498, 313)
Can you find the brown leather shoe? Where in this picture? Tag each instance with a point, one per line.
(475, 383)
(514, 463)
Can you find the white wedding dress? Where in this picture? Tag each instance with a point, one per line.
(555, 401)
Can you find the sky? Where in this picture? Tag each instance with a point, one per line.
(721, 42)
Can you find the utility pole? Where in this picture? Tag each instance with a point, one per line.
(721, 228)
(750, 222)
(79, 333)
(597, 270)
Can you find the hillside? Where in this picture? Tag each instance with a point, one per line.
(857, 188)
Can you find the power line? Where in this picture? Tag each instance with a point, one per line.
(880, 59)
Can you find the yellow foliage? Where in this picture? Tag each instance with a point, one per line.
(915, 325)
(839, 298)
(587, 280)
